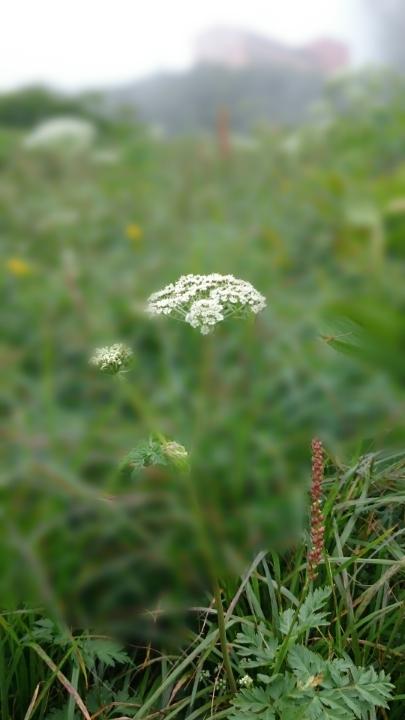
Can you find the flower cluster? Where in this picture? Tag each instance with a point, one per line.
(220, 684)
(204, 314)
(175, 452)
(317, 526)
(202, 301)
(111, 359)
(246, 681)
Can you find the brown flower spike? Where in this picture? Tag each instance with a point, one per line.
(317, 526)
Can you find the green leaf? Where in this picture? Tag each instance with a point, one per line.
(286, 621)
(256, 647)
(103, 650)
(311, 613)
(252, 703)
(304, 663)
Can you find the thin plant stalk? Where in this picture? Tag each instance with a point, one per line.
(210, 564)
(222, 635)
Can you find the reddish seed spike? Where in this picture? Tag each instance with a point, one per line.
(317, 526)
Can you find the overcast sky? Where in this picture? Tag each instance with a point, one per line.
(74, 44)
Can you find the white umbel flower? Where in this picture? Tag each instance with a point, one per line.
(111, 359)
(60, 132)
(205, 300)
(246, 681)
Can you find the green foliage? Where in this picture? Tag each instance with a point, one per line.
(310, 614)
(24, 108)
(302, 216)
(317, 689)
(307, 685)
(156, 452)
(255, 647)
(90, 649)
(149, 453)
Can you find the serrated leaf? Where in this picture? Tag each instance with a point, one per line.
(286, 621)
(311, 613)
(305, 663)
(252, 703)
(351, 704)
(103, 650)
(256, 647)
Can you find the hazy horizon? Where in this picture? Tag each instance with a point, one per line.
(72, 47)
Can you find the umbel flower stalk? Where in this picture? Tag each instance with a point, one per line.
(317, 520)
(204, 301)
(201, 301)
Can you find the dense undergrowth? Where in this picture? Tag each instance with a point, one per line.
(315, 220)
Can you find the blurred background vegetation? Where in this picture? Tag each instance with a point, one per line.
(313, 217)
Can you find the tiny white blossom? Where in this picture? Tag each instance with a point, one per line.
(204, 314)
(202, 301)
(111, 359)
(246, 681)
(220, 684)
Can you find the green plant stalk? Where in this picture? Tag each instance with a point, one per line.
(285, 644)
(74, 682)
(222, 636)
(210, 564)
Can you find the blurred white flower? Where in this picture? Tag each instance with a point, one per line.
(157, 132)
(205, 300)
(292, 144)
(111, 359)
(246, 681)
(106, 156)
(61, 132)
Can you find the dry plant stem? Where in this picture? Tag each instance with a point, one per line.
(222, 636)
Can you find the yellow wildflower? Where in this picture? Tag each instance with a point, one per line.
(18, 267)
(134, 232)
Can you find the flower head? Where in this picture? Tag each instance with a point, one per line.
(246, 681)
(134, 232)
(111, 359)
(18, 267)
(176, 454)
(202, 301)
(173, 449)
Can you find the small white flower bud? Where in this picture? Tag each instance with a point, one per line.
(246, 681)
(112, 359)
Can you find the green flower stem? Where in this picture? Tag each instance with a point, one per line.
(208, 558)
(222, 635)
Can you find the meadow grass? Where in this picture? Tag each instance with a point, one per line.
(314, 230)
